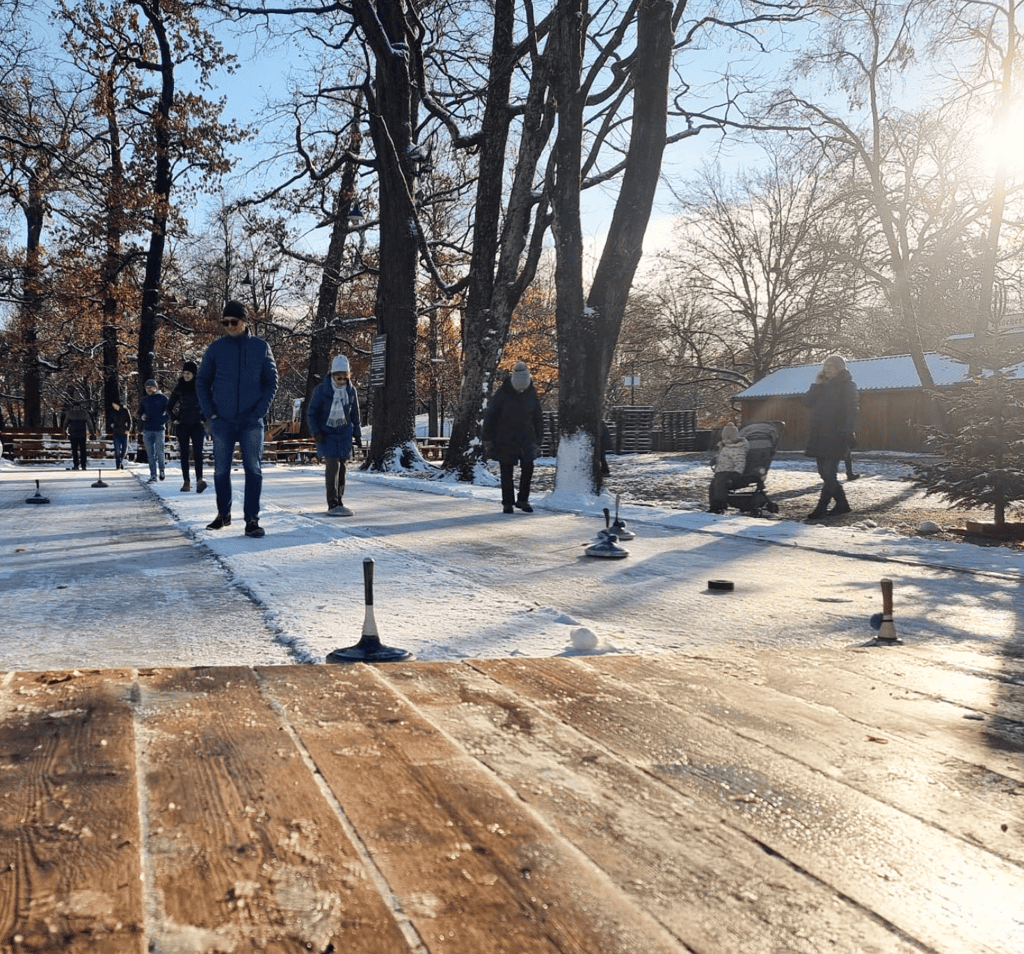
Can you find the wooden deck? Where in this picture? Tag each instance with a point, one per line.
(858, 800)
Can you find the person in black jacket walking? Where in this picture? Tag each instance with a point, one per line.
(78, 423)
(513, 427)
(119, 422)
(833, 400)
(183, 408)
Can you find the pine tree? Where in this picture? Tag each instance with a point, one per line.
(983, 449)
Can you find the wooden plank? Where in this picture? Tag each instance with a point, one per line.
(70, 845)
(945, 788)
(941, 891)
(475, 869)
(971, 712)
(707, 883)
(246, 852)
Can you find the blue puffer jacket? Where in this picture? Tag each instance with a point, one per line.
(336, 441)
(153, 411)
(237, 379)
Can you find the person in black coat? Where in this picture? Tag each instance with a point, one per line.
(833, 399)
(78, 423)
(513, 427)
(183, 408)
(119, 422)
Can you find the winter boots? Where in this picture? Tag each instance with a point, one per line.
(821, 511)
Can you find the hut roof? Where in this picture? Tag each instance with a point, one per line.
(892, 373)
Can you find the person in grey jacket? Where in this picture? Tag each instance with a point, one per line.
(236, 384)
(513, 427)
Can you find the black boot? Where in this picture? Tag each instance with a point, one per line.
(822, 509)
(841, 506)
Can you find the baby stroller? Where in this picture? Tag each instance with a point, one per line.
(762, 440)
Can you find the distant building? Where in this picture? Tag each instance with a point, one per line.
(893, 405)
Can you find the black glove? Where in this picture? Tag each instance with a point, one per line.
(358, 440)
(318, 436)
(488, 450)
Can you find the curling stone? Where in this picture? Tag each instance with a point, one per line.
(369, 649)
(618, 526)
(99, 482)
(606, 546)
(882, 622)
(37, 497)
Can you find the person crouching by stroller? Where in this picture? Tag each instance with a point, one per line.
(833, 400)
(729, 463)
(333, 419)
(183, 408)
(119, 420)
(513, 427)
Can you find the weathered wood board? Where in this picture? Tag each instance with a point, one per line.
(752, 803)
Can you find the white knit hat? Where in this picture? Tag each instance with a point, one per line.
(520, 376)
(730, 433)
(340, 364)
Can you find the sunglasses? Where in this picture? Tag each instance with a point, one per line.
(340, 377)
(231, 321)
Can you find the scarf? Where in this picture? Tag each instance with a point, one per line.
(338, 416)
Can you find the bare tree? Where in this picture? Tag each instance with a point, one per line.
(773, 254)
(991, 33)
(179, 133)
(864, 48)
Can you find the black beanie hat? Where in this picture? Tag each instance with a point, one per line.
(234, 309)
(190, 366)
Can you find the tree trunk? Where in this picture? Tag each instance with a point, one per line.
(393, 107)
(495, 289)
(162, 180)
(587, 335)
(32, 306)
(327, 300)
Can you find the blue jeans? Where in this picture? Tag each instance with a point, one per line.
(224, 435)
(154, 441)
(120, 442)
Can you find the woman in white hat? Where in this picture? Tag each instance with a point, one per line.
(333, 419)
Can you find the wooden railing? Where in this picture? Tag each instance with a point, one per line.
(52, 444)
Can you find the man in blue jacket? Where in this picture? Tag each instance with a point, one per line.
(236, 384)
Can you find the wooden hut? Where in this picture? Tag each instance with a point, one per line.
(893, 404)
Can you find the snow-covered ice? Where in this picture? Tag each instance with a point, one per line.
(457, 578)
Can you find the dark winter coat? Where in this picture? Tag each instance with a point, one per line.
(237, 379)
(153, 411)
(183, 405)
(78, 422)
(119, 421)
(833, 403)
(513, 424)
(334, 441)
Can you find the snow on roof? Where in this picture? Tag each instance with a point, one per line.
(893, 373)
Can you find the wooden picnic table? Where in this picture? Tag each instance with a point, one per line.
(837, 800)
